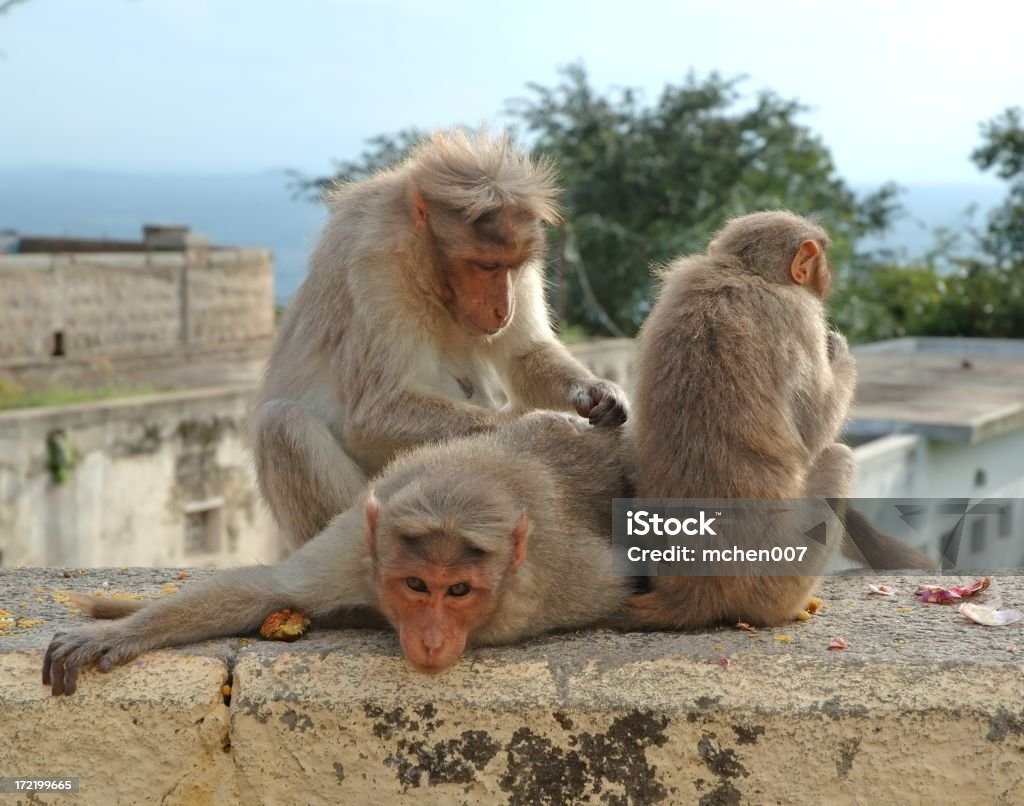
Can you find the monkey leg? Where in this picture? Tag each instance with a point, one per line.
(684, 603)
(304, 474)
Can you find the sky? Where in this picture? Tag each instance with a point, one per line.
(896, 89)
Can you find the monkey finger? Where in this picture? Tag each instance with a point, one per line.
(608, 412)
(56, 677)
(47, 659)
(70, 677)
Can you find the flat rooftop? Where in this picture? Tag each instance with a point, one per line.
(947, 389)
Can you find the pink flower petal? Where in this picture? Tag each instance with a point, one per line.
(936, 594)
(989, 616)
(839, 642)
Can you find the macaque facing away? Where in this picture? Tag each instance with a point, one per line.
(422, 313)
(488, 539)
(738, 349)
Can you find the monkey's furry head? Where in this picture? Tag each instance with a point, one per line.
(450, 515)
(766, 241)
(477, 172)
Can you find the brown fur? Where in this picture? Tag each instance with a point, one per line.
(740, 354)
(375, 356)
(560, 472)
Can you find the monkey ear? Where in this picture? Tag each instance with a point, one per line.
(519, 541)
(372, 512)
(419, 211)
(805, 263)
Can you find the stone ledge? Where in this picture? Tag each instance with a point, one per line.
(923, 705)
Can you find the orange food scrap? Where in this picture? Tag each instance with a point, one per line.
(284, 625)
(813, 605)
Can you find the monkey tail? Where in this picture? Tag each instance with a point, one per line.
(878, 550)
(105, 608)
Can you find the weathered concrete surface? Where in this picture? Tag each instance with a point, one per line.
(922, 706)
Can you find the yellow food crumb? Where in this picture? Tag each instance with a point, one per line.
(60, 596)
(168, 588)
(28, 623)
(244, 641)
(784, 638)
(40, 599)
(38, 590)
(225, 690)
(904, 610)
(804, 615)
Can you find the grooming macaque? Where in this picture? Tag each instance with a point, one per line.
(505, 534)
(484, 540)
(422, 312)
(741, 393)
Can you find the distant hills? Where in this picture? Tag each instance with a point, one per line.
(259, 210)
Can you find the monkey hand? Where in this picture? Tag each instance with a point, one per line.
(836, 345)
(602, 402)
(101, 645)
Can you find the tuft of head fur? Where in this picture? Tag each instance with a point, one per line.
(477, 173)
(765, 242)
(450, 514)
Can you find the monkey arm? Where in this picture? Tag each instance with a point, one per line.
(402, 419)
(326, 575)
(542, 374)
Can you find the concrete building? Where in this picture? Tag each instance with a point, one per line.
(943, 419)
(163, 478)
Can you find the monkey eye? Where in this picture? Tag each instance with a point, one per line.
(459, 589)
(416, 584)
(489, 266)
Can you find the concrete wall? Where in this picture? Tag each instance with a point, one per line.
(163, 480)
(131, 303)
(922, 707)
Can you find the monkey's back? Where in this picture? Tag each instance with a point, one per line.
(717, 360)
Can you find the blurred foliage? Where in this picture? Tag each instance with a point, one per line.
(972, 285)
(14, 395)
(645, 182)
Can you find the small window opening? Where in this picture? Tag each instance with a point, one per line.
(203, 530)
(58, 344)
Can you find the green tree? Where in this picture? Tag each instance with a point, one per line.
(970, 284)
(1002, 149)
(646, 182)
